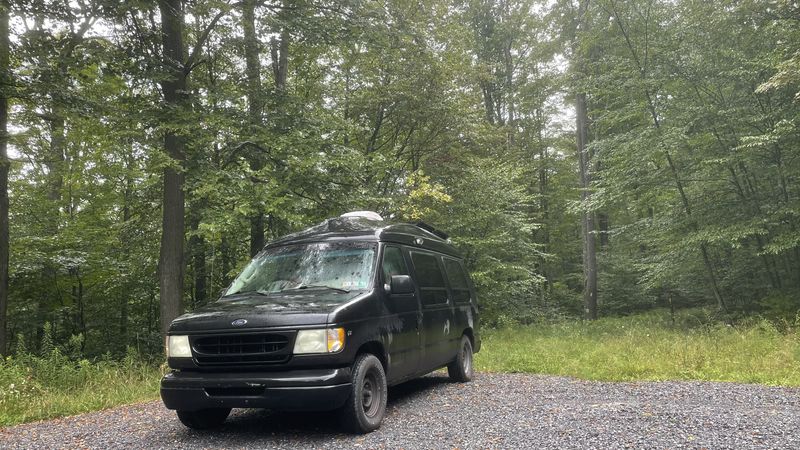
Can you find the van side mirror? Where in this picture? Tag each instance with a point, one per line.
(401, 284)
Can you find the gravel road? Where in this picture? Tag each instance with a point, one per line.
(494, 411)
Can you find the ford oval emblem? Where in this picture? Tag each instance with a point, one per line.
(239, 322)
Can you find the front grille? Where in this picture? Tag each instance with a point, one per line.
(232, 349)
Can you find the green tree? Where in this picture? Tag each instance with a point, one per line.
(5, 85)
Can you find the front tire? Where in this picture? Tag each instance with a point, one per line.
(366, 407)
(204, 419)
(460, 370)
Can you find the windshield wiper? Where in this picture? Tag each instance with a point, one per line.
(307, 286)
(259, 292)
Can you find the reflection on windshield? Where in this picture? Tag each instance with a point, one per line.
(337, 266)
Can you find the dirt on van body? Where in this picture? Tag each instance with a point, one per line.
(494, 411)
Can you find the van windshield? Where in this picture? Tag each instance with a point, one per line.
(337, 266)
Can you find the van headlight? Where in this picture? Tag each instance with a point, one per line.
(330, 340)
(178, 347)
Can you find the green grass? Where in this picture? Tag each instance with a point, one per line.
(647, 347)
(35, 388)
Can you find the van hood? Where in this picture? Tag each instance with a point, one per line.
(285, 309)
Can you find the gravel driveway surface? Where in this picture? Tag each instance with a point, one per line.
(494, 411)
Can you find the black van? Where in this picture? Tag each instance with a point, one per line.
(326, 319)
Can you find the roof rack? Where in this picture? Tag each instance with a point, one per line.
(432, 229)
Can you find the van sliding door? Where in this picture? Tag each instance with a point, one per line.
(464, 314)
(401, 318)
(437, 312)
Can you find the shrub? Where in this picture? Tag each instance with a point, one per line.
(59, 381)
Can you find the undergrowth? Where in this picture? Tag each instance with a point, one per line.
(54, 384)
(649, 347)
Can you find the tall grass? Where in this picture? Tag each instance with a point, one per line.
(42, 387)
(647, 347)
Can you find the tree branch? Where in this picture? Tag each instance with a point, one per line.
(192, 62)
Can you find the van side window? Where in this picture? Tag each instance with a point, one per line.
(393, 263)
(458, 281)
(429, 278)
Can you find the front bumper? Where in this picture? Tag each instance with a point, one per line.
(295, 390)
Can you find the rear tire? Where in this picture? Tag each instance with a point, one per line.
(204, 419)
(460, 370)
(364, 410)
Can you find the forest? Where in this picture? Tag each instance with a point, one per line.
(590, 158)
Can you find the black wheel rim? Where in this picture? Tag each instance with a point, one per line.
(466, 358)
(371, 394)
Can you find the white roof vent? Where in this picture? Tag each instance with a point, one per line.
(370, 215)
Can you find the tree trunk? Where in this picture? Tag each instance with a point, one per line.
(488, 100)
(544, 208)
(280, 61)
(280, 70)
(55, 164)
(603, 224)
(253, 64)
(77, 298)
(226, 262)
(5, 78)
(170, 262)
(257, 240)
(255, 110)
(197, 247)
(587, 223)
(126, 246)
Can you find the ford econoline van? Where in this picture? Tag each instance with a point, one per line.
(326, 319)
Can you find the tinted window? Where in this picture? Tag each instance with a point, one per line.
(428, 272)
(393, 263)
(458, 281)
(429, 278)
